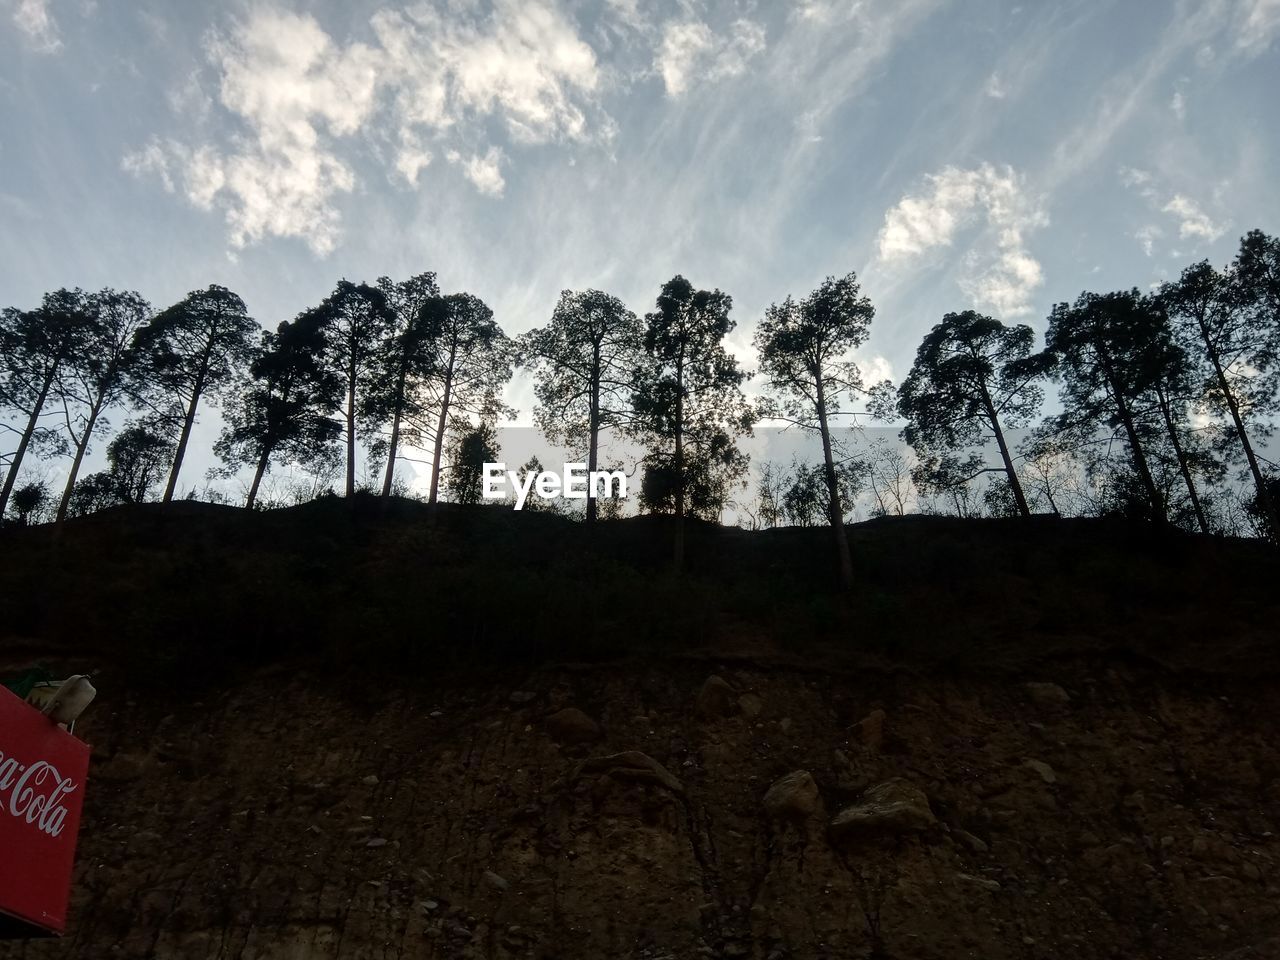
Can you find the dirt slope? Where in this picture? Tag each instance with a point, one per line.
(1066, 746)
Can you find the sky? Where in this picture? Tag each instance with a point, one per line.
(986, 154)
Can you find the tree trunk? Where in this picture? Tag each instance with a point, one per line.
(1018, 496)
(81, 447)
(678, 562)
(445, 400)
(257, 477)
(834, 513)
(1135, 444)
(183, 437)
(351, 431)
(1185, 470)
(27, 434)
(1264, 496)
(593, 431)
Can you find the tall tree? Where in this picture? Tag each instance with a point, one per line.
(95, 378)
(1097, 350)
(805, 352)
(584, 361)
(970, 381)
(286, 405)
(688, 399)
(34, 345)
(190, 352)
(1233, 318)
(357, 320)
(398, 393)
(468, 359)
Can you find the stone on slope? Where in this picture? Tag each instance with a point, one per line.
(793, 797)
(888, 809)
(571, 725)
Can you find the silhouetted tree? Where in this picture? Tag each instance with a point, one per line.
(97, 491)
(189, 352)
(468, 361)
(96, 376)
(688, 402)
(27, 501)
(1232, 319)
(286, 404)
(969, 383)
(397, 394)
(356, 319)
(34, 345)
(805, 352)
(584, 361)
(471, 448)
(1097, 348)
(138, 456)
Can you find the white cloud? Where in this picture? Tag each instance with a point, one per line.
(33, 18)
(995, 88)
(1192, 221)
(692, 52)
(1257, 24)
(1147, 236)
(999, 273)
(151, 159)
(1179, 106)
(430, 77)
(485, 172)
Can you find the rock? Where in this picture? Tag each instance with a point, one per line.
(717, 698)
(785, 724)
(750, 705)
(1042, 768)
(495, 881)
(631, 765)
(976, 844)
(370, 781)
(888, 809)
(793, 797)
(377, 842)
(519, 697)
(871, 730)
(1047, 693)
(430, 905)
(571, 725)
(992, 885)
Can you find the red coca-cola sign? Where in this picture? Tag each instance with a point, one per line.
(42, 776)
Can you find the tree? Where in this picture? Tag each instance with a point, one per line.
(138, 456)
(189, 352)
(688, 401)
(1234, 321)
(1097, 348)
(397, 394)
(27, 501)
(356, 319)
(971, 381)
(285, 406)
(805, 354)
(469, 361)
(97, 491)
(469, 452)
(33, 347)
(584, 361)
(97, 375)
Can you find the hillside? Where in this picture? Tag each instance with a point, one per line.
(486, 734)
